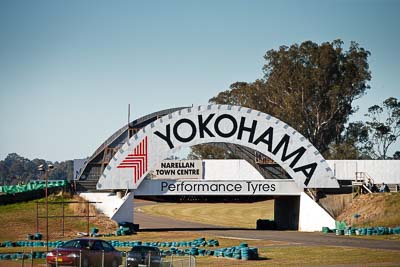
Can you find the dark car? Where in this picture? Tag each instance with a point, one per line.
(84, 252)
(147, 255)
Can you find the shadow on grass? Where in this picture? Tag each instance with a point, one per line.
(263, 259)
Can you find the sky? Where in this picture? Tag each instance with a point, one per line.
(69, 69)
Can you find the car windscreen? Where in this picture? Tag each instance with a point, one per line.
(75, 244)
(145, 250)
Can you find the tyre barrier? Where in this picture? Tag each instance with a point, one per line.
(9, 244)
(242, 252)
(126, 228)
(237, 252)
(326, 230)
(94, 231)
(363, 231)
(200, 242)
(123, 231)
(36, 236)
(195, 248)
(181, 248)
(339, 232)
(20, 255)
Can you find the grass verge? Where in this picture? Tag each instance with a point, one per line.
(241, 215)
(18, 220)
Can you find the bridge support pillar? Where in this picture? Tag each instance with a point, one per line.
(312, 216)
(286, 212)
(125, 211)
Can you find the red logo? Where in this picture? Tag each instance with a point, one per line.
(137, 160)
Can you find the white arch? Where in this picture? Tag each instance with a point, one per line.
(217, 123)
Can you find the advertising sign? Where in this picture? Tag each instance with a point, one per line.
(178, 169)
(202, 187)
(217, 124)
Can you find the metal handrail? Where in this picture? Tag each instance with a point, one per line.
(363, 177)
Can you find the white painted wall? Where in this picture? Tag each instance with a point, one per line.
(125, 212)
(235, 169)
(387, 171)
(312, 217)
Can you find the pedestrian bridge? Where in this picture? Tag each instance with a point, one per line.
(131, 161)
(294, 209)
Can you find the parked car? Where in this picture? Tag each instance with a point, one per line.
(84, 252)
(147, 255)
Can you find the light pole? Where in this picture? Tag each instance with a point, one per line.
(46, 171)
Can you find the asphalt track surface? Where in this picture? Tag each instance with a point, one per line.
(150, 223)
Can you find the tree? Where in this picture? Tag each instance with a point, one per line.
(210, 152)
(309, 86)
(352, 143)
(15, 169)
(384, 127)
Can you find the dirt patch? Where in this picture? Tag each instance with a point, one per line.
(101, 221)
(336, 204)
(378, 209)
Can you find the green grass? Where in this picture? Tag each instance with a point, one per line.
(18, 220)
(242, 215)
(322, 256)
(311, 256)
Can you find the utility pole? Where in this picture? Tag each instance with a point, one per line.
(46, 171)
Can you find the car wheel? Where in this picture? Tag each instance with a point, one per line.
(114, 263)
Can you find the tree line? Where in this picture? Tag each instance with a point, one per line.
(312, 87)
(15, 169)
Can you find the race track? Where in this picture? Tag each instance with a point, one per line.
(152, 223)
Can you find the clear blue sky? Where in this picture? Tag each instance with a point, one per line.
(68, 69)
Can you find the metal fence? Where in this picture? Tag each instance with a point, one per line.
(178, 261)
(27, 260)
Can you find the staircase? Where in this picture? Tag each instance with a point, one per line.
(359, 185)
(88, 185)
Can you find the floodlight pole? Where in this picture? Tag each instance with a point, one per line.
(46, 177)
